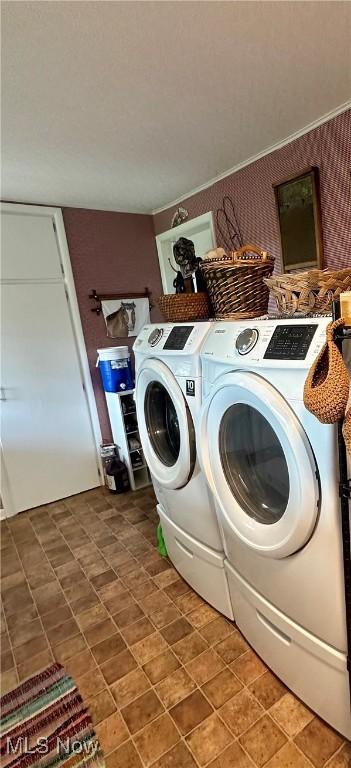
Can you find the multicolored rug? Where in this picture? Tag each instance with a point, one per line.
(45, 723)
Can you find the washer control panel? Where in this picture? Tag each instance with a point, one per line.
(290, 342)
(246, 340)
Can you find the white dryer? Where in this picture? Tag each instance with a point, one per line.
(168, 401)
(273, 469)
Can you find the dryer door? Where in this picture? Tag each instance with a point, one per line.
(259, 464)
(165, 425)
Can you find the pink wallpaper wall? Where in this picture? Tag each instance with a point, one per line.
(109, 252)
(329, 148)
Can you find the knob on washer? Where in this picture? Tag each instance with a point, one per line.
(246, 340)
(155, 336)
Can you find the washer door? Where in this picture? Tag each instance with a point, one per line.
(259, 464)
(165, 425)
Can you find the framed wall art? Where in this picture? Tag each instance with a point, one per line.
(299, 215)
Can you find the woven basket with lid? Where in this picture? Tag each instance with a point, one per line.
(235, 282)
(181, 307)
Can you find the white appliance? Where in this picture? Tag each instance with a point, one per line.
(273, 469)
(168, 401)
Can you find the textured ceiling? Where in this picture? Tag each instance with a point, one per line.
(129, 105)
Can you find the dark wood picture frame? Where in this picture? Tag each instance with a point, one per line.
(303, 222)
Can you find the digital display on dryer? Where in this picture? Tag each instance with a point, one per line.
(290, 342)
(178, 337)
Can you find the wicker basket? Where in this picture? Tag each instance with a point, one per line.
(181, 307)
(306, 292)
(235, 283)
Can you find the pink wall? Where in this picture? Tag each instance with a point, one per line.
(109, 252)
(329, 148)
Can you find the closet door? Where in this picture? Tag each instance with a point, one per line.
(48, 445)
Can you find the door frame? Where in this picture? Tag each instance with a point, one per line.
(67, 277)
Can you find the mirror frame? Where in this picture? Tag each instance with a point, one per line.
(313, 173)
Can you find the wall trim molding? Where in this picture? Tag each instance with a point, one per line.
(278, 145)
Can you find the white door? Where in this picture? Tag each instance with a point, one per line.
(259, 464)
(48, 446)
(165, 425)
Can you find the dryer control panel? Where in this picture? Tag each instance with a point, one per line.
(290, 342)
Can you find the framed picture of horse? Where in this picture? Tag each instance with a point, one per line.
(126, 316)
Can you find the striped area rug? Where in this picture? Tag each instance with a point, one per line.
(45, 723)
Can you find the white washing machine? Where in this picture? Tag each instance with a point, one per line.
(273, 469)
(168, 401)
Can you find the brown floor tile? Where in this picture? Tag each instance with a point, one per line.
(128, 616)
(263, 740)
(94, 615)
(111, 732)
(4, 642)
(69, 648)
(165, 616)
(8, 681)
(149, 647)
(63, 631)
(125, 756)
(177, 589)
(84, 603)
(156, 739)
(145, 590)
(189, 647)
(111, 590)
(7, 661)
(32, 648)
(76, 591)
(318, 742)
(34, 664)
(221, 688)
(176, 631)
(190, 712)
(99, 632)
(161, 666)
(240, 712)
(24, 631)
(290, 757)
(248, 667)
(290, 714)
(107, 577)
(118, 603)
(216, 630)
(201, 616)
(15, 599)
(155, 601)
(130, 687)
(268, 689)
(142, 711)
(90, 683)
(166, 578)
(209, 739)
(189, 602)
(232, 757)
(138, 631)
(204, 666)
(80, 663)
(108, 648)
(54, 618)
(175, 687)
(177, 757)
(232, 647)
(101, 706)
(118, 666)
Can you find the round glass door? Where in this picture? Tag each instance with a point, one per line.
(259, 464)
(166, 427)
(162, 423)
(254, 463)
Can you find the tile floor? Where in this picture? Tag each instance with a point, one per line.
(169, 682)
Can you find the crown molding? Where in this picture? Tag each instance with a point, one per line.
(278, 145)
